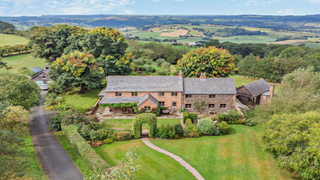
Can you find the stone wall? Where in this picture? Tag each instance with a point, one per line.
(219, 99)
(167, 98)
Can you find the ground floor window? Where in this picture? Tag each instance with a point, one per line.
(162, 103)
(211, 106)
(223, 105)
(188, 105)
(147, 108)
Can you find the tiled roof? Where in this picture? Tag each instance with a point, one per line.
(209, 86)
(258, 87)
(36, 70)
(144, 84)
(150, 98)
(114, 100)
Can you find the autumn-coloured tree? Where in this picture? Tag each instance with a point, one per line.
(114, 66)
(215, 62)
(77, 69)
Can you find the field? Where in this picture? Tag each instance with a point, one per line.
(127, 123)
(176, 33)
(25, 60)
(7, 39)
(235, 156)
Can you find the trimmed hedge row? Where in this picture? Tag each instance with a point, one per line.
(86, 152)
(148, 118)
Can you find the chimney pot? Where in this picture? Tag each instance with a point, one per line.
(203, 76)
(180, 74)
(271, 90)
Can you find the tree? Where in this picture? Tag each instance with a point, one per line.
(4, 109)
(17, 119)
(213, 42)
(113, 66)
(50, 42)
(200, 106)
(294, 140)
(104, 41)
(215, 62)
(77, 69)
(18, 90)
(3, 64)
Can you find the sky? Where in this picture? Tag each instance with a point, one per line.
(158, 7)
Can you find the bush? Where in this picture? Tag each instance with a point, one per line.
(75, 118)
(85, 132)
(206, 126)
(217, 132)
(188, 121)
(224, 127)
(123, 135)
(63, 107)
(94, 135)
(108, 141)
(193, 117)
(166, 131)
(162, 73)
(179, 130)
(148, 118)
(160, 62)
(86, 152)
(166, 65)
(141, 111)
(139, 62)
(55, 123)
(231, 118)
(185, 116)
(192, 131)
(149, 62)
(150, 69)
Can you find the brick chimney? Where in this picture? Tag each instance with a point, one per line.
(271, 90)
(203, 76)
(180, 74)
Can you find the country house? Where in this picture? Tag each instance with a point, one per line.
(174, 92)
(41, 76)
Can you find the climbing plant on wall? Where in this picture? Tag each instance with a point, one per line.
(121, 105)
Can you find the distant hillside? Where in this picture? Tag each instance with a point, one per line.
(5, 26)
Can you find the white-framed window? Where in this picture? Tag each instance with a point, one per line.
(118, 94)
(212, 96)
(161, 94)
(147, 108)
(174, 94)
(134, 94)
(162, 103)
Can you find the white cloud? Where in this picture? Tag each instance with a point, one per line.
(314, 1)
(156, 0)
(286, 12)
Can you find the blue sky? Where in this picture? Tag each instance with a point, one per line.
(158, 7)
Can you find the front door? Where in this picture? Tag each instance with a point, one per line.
(174, 106)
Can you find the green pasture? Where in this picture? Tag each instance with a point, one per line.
(8, 39)
(81, 101)
(25, 60)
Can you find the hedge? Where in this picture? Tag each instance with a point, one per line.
(188, 121)
(193, 117)
(224, 127)
(185, 116)
(148, 118)
(86, 152)
(231, 117)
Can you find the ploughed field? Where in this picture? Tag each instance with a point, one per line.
(235, 156)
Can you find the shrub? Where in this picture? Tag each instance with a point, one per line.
(103, 134)
(75, 118)
(166, 131)
(55, 123)
(139, 62)
(179, 130)
(217, 132)
(63, 107)
(148, 118)
(231, 118)
(141, 111)
(192, 131)
(94, 135)
(149, 62)
(84, 149)
(150, 69)
(85, 132)
(206, 126)
(162, 73)
(224, 127)
(166, 65)
(123, 135)
(193, 117)
(185, 116)
(108, 141)
(160, 62)
(188, 121)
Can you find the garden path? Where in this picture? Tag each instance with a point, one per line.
(175, 157)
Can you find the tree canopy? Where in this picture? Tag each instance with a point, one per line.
(215, 62)
(18, 90)
(77, 69)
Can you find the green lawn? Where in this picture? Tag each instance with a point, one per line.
(127, 123)
(235, 156)
(73, 154)
(34, 170)
(82, 101)
(8, 39)
(25, 60)
(154, 165)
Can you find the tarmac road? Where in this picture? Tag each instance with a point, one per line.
(54, 160)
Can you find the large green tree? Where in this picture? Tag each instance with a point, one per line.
(114, 66)
(50, 42)
(77, 69)
(18, 90)
(215, 62)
